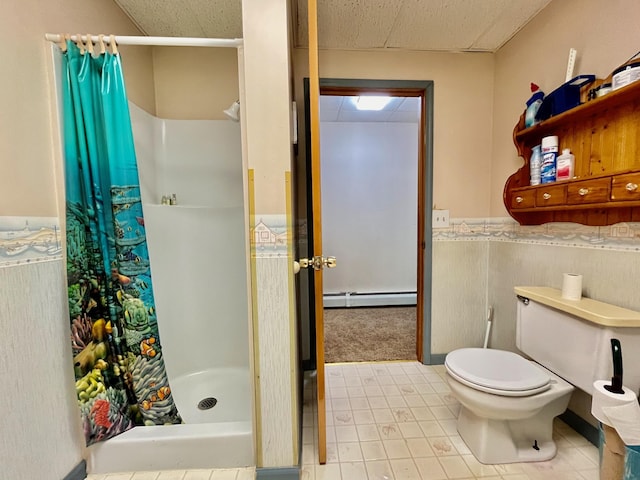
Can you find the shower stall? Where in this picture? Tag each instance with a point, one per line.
(198, 250)
(199, 253)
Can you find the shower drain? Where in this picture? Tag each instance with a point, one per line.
(207, 403)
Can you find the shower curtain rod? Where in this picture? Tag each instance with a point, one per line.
(156, 41)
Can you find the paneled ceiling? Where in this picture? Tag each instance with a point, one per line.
(343, 109)
(429, 25)
(437, 25)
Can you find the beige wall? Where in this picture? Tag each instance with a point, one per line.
(463, 101)
(45, 441)
(26, 186)
(137, 65)
(604, 37)
(194, 83)
(266, 116)
(475, 110)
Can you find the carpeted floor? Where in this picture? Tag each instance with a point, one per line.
(369, 334)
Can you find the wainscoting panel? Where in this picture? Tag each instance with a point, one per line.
(38, 404)
(459, 295)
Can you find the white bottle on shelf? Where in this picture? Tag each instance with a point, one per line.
(549, 157)
(534, 165)
(565, 165)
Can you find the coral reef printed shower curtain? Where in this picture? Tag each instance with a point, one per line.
(120, 375)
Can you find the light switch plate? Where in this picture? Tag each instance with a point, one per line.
(440, 218)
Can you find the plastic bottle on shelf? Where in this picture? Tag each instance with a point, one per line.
(549, 156)
(565, 165)
(533, 105)
(534, 165)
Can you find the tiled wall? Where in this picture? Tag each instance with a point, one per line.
(41, 433)
(479, 261)
(458, 294)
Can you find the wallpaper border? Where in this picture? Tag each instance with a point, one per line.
(270, 236)
(621, 236)
(27, 240)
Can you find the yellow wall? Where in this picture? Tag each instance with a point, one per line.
(26, 186)
(266, 116)
(463, 101)
(45, 439)
(478, 98)
(604, 35)
(194, 83)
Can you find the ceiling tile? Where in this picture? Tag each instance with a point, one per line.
(404, 116)
(444, 25)
(186, 18)
(219, 18)
(354, 24)
(508, 23)
(342, 109)
(409, 104)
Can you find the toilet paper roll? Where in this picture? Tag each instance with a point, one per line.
(626, 420)
(571, 286)
(603, 398)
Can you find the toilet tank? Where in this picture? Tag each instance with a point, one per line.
(573, 338)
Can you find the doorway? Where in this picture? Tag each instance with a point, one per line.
(423, 91)
(369, 150)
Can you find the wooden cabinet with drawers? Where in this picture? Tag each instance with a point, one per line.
(604, 136)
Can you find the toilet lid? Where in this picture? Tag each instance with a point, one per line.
(496, 371)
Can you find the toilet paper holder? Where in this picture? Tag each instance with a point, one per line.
(616, 380)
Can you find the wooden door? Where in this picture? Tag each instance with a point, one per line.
(314, 121)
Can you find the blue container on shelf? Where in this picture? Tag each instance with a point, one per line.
(564, 97)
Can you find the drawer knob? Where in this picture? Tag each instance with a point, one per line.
(631, 187)
(519, 199)
(583, 191)
(546, 196)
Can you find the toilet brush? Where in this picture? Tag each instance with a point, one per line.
(489, 320)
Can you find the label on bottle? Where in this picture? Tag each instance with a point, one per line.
(548, 167)
(564, 167)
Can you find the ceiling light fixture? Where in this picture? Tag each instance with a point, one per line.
(371, 102)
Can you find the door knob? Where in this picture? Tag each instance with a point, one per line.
(329, 262)
(317, 263)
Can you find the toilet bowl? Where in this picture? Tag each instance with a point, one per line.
(508, 404)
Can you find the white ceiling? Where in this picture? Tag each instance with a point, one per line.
(432, 25)
(439, 25)
(343, 109)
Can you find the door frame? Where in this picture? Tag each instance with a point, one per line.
(399, 88)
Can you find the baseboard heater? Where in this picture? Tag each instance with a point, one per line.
(354, 299)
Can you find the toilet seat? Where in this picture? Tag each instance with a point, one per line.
(496, 371)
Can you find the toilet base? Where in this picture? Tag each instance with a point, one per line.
(507, 441)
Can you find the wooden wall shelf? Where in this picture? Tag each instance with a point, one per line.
(604, 136)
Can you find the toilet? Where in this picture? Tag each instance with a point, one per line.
(508, 402)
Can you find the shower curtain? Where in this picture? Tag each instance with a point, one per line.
(119, 370)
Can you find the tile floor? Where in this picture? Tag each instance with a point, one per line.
(397, 421)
